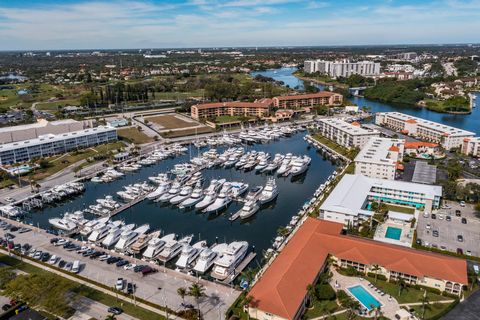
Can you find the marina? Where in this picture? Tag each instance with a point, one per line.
(130, 200)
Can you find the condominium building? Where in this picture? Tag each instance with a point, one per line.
(380, 158)
(324, 98)
(41, 127)
(350, 202)
(343, 68)
(248, 109)
(349, 135)
(471, 146)
(281, 292)
(51, 144)
(448, 137)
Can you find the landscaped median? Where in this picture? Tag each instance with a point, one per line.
(89, 288)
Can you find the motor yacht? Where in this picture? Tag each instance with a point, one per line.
(142, 242)
(63, 224)
(222, 201)
(159, 191)
(231, 258)
(108, 203)
(173, 248)
(207, 257)
(269, 193)
(189, 254)
(172, 192)
(210, 194)
(88, 227)
(184, 194)
(300, 165)
(114, 235)
(155, 245)
(100, 231)
(249, 209)
(238, 188)
(128, 237)
(254, 193)
(196, 196)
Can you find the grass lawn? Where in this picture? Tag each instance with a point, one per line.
(53, 106)
(186, 132)
(432, 310)
(58, 163)
(6, 183)
(226, 119)
(400, 209)
(332, 145)
(171, 122)
(133, 135)
(321, 308)
(408, 295)
(88, 292)
(177, 95)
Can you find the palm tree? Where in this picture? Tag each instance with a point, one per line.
(425, 304)
(376, 268)
(311, 294)
(197, 291)
(401, 286)
(182, 292)
(376, 311)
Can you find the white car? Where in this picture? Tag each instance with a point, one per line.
(129, 266)
(53, 259)
(428, 226)
(462, 203)
(119, 284)
(9, 199)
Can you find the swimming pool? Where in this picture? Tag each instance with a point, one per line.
(393, 233)
(364, 297)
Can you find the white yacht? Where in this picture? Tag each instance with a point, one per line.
(249, 209)
(88, 227)
(231, 258)
(285, 165)
(108, 203)
(196, 196)
(155, 245)
(189, 254)
(269, 193)
(173, 248)
(159, 191)
(222, 201)
(101, 230)
(300, 165)
(114, 235)
(128, 237)
(210, 194)
(238, 188)
(207, 257)
(172, 192)
(184, 194)
(63, 224)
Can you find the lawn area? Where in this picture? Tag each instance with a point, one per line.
(177, 95)
(400, 209)
(58, 163)
(321, 308)
(53, 106)
(171, 122)
(432, 310)
(226, 119)
(6, 183)
(186, 132)
(408, 295)
(133, 135)
(88, 292)
(351, 154)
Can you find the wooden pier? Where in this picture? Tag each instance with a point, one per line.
(239, 269)
(128, 205)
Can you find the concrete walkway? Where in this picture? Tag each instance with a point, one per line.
(339, 282)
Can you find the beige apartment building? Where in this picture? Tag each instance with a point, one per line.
(42, 127)
(216, 109)
(348, 135)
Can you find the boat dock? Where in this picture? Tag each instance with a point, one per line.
(234, 216)
(128, 205)
(239, 268)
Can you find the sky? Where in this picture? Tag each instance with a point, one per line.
(116, 24)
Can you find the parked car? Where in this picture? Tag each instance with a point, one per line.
(147, 270)
(460, 238)
(464, 220)
(76, 266)
(121, 263)
(448, 218)
(115, 310)
(130, 288)
(434, 216)
(120, 284)
(435, 233)
(462, 203)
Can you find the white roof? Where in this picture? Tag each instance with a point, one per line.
(54, 137)
(351, 193)
(39, 124)
(376, 150)
(400, 216)
(442, 128)
(347, 127)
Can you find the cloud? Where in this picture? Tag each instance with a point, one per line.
(317, 5)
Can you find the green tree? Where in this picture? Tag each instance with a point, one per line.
(6, 275)
(182, 292)
(425, 304)
(311, 293)
(197, 291)
(376, 268)
(402, 285)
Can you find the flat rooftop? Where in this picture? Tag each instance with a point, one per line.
(424, 173)
(442, 128)
(39, 124)
(347, 127)
(377, 150)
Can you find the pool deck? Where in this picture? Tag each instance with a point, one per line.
(340, 282)
(406, 237)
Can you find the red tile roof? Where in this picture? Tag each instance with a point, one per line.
(394, 148)
(321, 94)
(416, 145)
(411, 121)
(238, 104)
(355, 123)
(282, 288)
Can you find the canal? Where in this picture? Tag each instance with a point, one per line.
(467, 122)
(259, 231)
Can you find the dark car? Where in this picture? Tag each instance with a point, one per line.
(131, 288)
(62, 264)
(112, 260)
(147, 270)
(448, 218)
(458, 213)
(139, 268)
(14, 228)
(6, 307)
(115, 310)
(434, 216)
(121, 263)
(89, 252)
(460, 238)
(464, 220)
(96, 254)
(9, 236)
(45, 257)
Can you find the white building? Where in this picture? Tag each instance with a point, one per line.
(343, 68)
(349, 135)
(41, 127)
(51, 144)
(471, 146)
(379, 158)
(350, 201)
(448, 137)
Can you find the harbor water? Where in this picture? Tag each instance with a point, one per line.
(467, 122)
(259, 230)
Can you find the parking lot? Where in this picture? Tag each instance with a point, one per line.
(454, 229)
(159, 288)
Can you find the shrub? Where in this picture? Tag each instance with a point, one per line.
(325, 292)
(379, 276)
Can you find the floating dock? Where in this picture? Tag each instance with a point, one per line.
(128, 205)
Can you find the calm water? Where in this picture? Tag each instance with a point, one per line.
(468, 122)
(259, 231)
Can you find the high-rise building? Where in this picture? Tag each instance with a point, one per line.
(343, 68)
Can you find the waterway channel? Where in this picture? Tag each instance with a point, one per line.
(468, 122)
